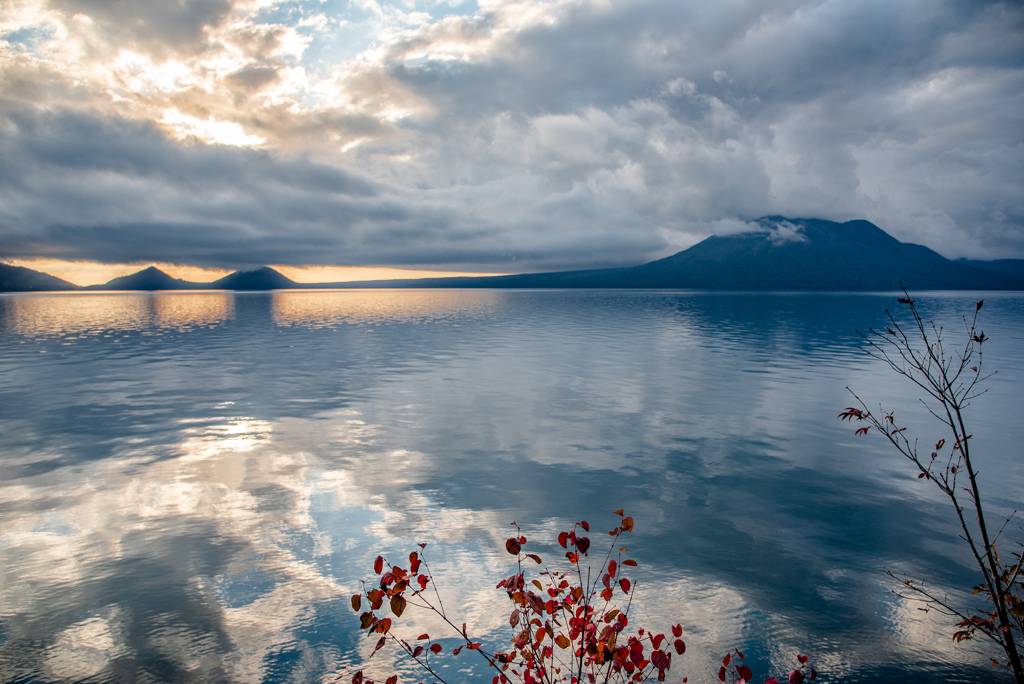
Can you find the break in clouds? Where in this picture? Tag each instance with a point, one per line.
(500, 135)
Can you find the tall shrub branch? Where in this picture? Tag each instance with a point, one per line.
(950, 378)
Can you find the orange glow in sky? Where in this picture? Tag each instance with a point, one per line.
(92, 273)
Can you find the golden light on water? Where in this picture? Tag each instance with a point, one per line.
(84, 313)
(325, 308)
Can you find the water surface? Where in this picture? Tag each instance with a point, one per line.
(192, 484)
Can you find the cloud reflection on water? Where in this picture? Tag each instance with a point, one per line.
(224, 547)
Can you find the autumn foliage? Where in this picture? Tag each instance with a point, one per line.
(568, 626)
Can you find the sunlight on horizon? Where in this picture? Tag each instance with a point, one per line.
(84, 273)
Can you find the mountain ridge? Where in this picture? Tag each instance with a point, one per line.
(21, 279)
(778, 254)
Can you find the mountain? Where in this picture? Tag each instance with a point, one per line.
(21, 279)
(781, 254)
(813, 254)
(151, 278)
(1014, 267)
(264, 278)
(778, 254)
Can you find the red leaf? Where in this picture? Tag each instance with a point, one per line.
(796, 677)
(393, 679)
(513, 546)
(744, 671)
(535, 557)
(721, 674)
(619, 512)
(726, 659)
(357, 602)
(378, 564)
(357, 678)
(582, 544)
(421, 637)
(435, 648)
(398, 603)
(563, 538)
(627, 524)
(585, 525)
(414, 563)
(624, 583)
(677, 630)
(612, 566)
(680, 646)
(802, 659)
(380, 644)
(813, 675)
(773, 680)
(631, 563)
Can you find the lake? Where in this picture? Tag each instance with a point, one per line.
(192, 485)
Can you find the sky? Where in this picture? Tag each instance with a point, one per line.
(498, 136)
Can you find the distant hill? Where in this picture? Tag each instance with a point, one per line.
(151, 278)
(264, 278)
(21, 279)
(781, 254)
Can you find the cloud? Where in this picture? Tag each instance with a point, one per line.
(538, 135)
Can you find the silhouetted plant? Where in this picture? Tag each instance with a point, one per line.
(566, 626)
(950, 379)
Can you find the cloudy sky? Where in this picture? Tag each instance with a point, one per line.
(500, 135)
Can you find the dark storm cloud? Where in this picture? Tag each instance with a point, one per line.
(735, 110)
(80, 186)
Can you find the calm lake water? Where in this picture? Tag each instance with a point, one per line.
(193, 484)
